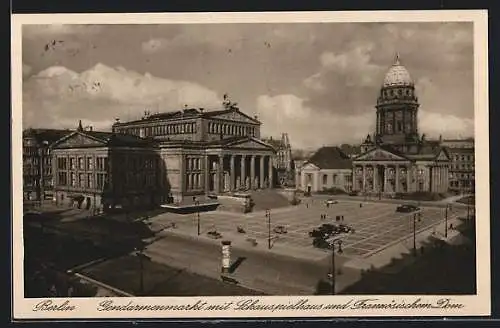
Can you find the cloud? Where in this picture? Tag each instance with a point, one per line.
(449, 126)
(58, 96)
(306, 127)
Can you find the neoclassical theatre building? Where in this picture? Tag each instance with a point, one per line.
(164, 157)
(207, 152)
(396, 158)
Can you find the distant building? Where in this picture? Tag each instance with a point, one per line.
(94, 169)
(37, 159)
(462, 168)
(284, 163)
(328, 168)
(397, 159)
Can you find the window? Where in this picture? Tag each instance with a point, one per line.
(73, 179)
(62, 163)
(90, 163)
(389, 128)
(325, 179)
(81, 180)
(62, 179)
(101, 177)
(81, 163)
(89, 180)
(72, 163)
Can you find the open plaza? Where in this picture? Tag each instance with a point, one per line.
(376, 225)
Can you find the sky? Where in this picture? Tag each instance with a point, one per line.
(316, 81)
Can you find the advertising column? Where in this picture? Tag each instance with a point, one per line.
(226, 256)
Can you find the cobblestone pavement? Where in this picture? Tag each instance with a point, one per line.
(377, 225)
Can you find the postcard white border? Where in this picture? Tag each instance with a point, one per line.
(474, 305)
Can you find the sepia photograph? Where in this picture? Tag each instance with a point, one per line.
(244, 160)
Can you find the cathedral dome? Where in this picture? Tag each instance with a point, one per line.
(397, 75)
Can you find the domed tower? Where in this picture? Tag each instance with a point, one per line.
(397, 107)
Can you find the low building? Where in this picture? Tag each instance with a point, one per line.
(37, 159)
(328, 168)
(103, 170)
(462, 168)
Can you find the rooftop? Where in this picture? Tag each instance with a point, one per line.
(330, 158)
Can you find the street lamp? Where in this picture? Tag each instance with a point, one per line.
(140, 255)
(415, 232)
(446, 220)
(197, 203)
(334, 242)
(268, 216)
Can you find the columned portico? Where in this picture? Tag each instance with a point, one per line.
(237, 172)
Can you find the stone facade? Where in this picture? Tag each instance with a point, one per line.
(462, 168)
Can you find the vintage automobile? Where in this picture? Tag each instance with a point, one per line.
(407, 208)
(320, 243)
(331, 201)
(280, 229)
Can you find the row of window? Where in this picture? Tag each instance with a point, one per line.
(231, 129)
(160, 130)
(464, 158)
(461, 176)
(400, 92)
(193, 181)
(469, 167)
(82, 180)
(461, 184)
(193, 164)
(84, 163)
(336, 179)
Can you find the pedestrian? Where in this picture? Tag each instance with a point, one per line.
(360, 205)
(307, 205)
(342, 218)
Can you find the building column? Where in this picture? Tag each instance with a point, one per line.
(220, 166)
(252, 172)
(270, 173)
(232, 172)
(396, 185)
(182, 175)
(364, 177)
(243, 170)
(385, 177)
(206, 177)
(408, 178)
(261, 173)
(375, 178)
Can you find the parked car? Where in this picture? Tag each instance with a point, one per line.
(320, 243)
(354, 193)
(331, 201)
(345, 229)
(407, 208)
(214, 234)
(280, 229)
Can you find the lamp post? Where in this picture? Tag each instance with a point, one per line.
(415, 232)
(197, 203)
(268, 216)
(446, 221)
(334, 242)
(140, 255)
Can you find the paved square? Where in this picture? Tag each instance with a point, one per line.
(376, 225)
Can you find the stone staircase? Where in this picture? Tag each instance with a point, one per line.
(268, 198)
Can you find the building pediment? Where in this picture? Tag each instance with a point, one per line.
(379, 154)
(309, 167)
(76, 140)
(442, 156)
(236, 116)
(250, 144)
